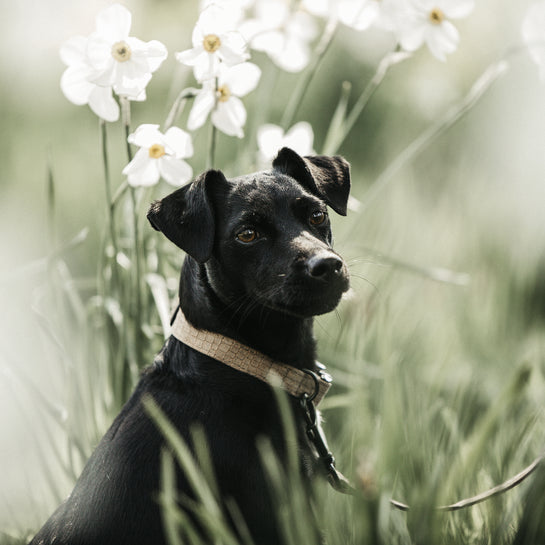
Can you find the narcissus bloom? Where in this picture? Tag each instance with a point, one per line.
(357, 14)
(533, 33)
(160, 155)
(221, 98)
(122, 62)
(285, 36)
(428, 21)
(214, 40)
(271, 139)
(109, 60)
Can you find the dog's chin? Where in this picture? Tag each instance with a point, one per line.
(305, 307)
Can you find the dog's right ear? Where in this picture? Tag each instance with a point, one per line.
(186, 217)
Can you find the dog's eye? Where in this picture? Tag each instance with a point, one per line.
(318, 217)
(248, 235)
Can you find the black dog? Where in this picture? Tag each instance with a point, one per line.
(259, 266)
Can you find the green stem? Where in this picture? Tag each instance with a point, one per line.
(178, 106)
(108, 186)
(382, 69)
(304, 82)
(212, 147)
(125, 110)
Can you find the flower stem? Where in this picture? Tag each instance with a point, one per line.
(178, 106)
(126, 117)
(212, 147)
(108, 186)
(304, 82)
(384, 65)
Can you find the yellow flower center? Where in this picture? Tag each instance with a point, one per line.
(224, 93)
(211, 43)
(121, 51)
(437, 16)
(156, 151)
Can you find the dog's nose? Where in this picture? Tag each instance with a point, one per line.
(324, 267)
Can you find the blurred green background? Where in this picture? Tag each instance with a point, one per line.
(414, 358)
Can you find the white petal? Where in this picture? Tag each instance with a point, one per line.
(134, 89)
(190, 56)
(270, 42)
(300, 138)
(273, 13)
(142, 170)
(442, 39)
(114, 23)
(320, 8)
(411, 38)
(179, 142)
(156, 53)
(146, 135)
(215, 20)
(456, 9)
(103, 104)
(294, 55)
(75, 83)
(229, 117)
(73, 51)
(145, 56)
(269, 140)
(202, 106)
(242, 78)
(301, 26)
(175, 171)
(233, 48)
(99, 52)
(359, 14)
(206, 67)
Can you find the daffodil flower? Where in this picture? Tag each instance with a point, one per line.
(160, 155)
(221, 98)
(428, 21)
(121, 61)
(533, 33)
(109, 60)
(283, 35)
(357, 14)
(214, 40)
(271, 138)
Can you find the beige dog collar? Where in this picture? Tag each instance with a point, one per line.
(295, 382)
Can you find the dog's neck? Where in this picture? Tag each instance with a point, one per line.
(286, 338)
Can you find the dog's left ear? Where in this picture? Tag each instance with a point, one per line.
(186, 217)
(326, 177)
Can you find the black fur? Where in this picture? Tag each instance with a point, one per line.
(263, 293)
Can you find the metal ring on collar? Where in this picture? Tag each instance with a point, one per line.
(316, 383)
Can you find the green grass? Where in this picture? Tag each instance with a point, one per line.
(437, 355)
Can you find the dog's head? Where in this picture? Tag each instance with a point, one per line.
(265, 237)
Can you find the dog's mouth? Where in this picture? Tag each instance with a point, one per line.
(305, 299)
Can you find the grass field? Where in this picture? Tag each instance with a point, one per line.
(438, 352)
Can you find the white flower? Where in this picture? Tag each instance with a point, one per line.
(160, 155)
(228, 112)
(109, 60)
(76, 81)
(214, 39)
(533, 33)
(428, 21)
(283, 35)
(271, 138)
(235, 8)
(122, 62)
(357, 14)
